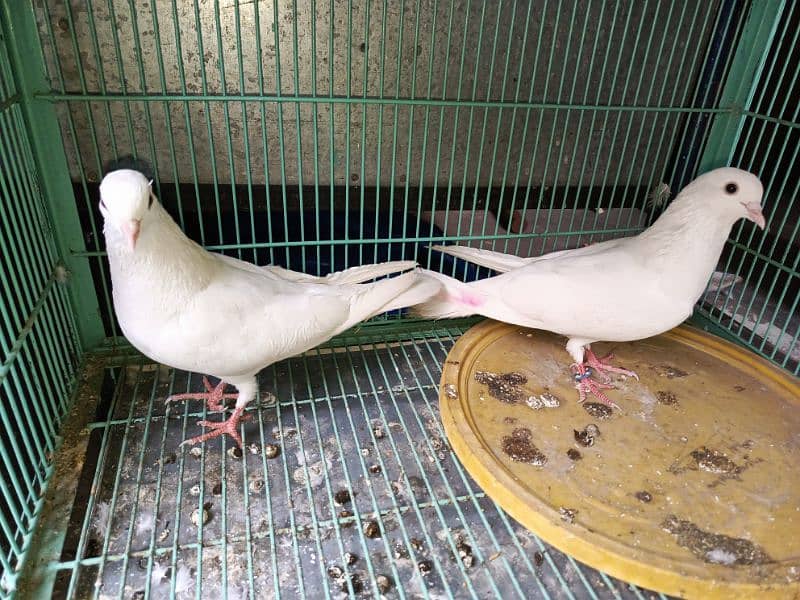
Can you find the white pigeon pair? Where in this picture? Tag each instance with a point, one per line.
(197, 311)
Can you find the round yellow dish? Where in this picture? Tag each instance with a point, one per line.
(692, 489)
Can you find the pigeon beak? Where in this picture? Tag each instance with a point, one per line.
(754, 213)
(131, 231)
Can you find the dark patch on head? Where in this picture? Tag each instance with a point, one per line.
(518, 447)
(715, 548)
(598, 410)
(503, 386)
(667, 398)
(644, 496)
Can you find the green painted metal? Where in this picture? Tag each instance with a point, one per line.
(257, 118)
(52, 174)
(744, 75)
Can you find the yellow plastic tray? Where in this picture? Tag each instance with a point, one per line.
(692, 489)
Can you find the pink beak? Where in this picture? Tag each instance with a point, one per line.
(754, 213)
(131, 231)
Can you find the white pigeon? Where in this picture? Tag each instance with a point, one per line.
(193, 310)
(618, 290)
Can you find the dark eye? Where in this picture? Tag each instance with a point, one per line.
(103, 205)
(150, 203)
(731, 188)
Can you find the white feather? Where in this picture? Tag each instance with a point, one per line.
(184, 580)
(146, 522)
(197, 311)
(619, 290)
(102, 515)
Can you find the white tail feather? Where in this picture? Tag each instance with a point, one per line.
(496, 261)
(447, 303)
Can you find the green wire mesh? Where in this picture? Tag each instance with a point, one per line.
(319, 134)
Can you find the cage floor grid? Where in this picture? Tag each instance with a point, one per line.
(364, 497)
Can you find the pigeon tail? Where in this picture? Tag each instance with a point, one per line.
(367, 272)
(455, 299)
(398, 292)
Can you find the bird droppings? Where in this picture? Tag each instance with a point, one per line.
(546, 400)
(272, 450)
(450, 391)
(567, 514)
(708, 459)
(384, 583)
(196, 452)
(598, 410)
(254, 448)
(350, 558)
(667, 398)
(169, 459)
(714, 548)
(587, 435)
(644, 496)
(375, 469)
(739, 388)
(342, 497)
(669, 372)
(425, 567)
(335, 572)
(503, 387)
(416, 544)
(216, 489)
(510, 420)
(235, 452)
(195, 490)
(574, 454)
(518, 447)
(464, 553)
(346, 515)
(200, 516)
(377, 430)
(372, 530)
(256, 485)
(538, 558)
(364, 452)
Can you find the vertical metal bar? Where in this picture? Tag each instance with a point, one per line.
(742, 80)
(44, 135)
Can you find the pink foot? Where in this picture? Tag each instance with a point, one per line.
(602, 367)
(586, 385)
(218, 428)
(213, 396)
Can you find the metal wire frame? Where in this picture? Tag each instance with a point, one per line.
(351, 407)
(600, 87)
(38, 337)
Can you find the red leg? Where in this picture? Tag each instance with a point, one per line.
(602, 367)
(218, 428)
(214, 396)
(586, 385)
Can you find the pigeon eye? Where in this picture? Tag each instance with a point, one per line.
(731, 188)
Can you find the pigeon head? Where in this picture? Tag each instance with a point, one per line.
(125, 198)
(731, 193)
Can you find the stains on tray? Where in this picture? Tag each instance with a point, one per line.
(713, 461)
(714, 548)
(666, 397)
(574, 454)
(669, 371)
(598, 410)
(567, 514)
(644, 496)
(503, 386)
(546, 400)
(587, 435)
(450, 391)
(519, 447)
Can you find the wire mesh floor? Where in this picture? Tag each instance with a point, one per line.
(364, 497)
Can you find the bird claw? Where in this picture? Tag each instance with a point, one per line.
(230, 426)
(602, 366)
(213, 396)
